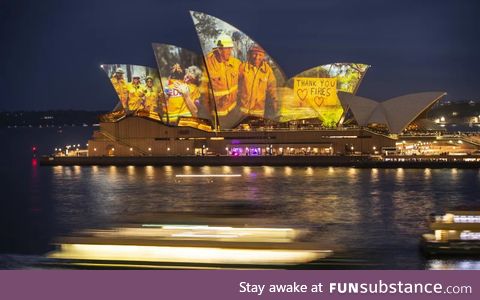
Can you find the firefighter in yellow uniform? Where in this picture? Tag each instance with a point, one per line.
(193, 91)
(182, 99)
(120, 86)
(136, 93)
(257, 84)
(207, 97)
(151, 95)
(223, 72)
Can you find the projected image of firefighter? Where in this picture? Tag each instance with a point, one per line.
(136, 93)
(152, 94)
(257, 85)
(223, 69)
(138, 88)
(243, 76)
(182, 91)
(120, 85)
(186, 86)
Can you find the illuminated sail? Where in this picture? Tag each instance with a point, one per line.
(185, 86)
(243, 76)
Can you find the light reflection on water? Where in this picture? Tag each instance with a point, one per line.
(376, 215)
(288, 171)
(399, 175)
(131, 171)
(427, 174)
(309, 171)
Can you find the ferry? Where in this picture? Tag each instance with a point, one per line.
(186, 246)
(454, 233)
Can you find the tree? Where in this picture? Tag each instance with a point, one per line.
(206, 26)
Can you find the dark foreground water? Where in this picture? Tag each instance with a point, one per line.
(372, 218)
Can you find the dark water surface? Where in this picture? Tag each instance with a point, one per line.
(373, 217)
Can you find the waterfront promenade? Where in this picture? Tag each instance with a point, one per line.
(413, 161)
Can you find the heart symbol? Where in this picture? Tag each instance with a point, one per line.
(319, 100)
(302, 94)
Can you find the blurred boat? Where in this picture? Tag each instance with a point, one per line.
(186, 246)
(455, 233)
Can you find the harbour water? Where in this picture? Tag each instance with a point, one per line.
(371, 218)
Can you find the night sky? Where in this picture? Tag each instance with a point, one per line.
(50, 51)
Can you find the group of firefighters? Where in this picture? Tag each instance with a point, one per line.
(182, 91)
(246, 87)
(134, 95)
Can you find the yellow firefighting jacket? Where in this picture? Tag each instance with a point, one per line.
(176, 105)
(121, 87)
(151, 98)
(135, 96)
(255, 86)
(224, 80)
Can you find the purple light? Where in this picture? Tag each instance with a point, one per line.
(255, 151)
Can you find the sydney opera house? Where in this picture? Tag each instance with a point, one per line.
(235, 100)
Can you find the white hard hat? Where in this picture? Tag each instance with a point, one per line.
(224, 41)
